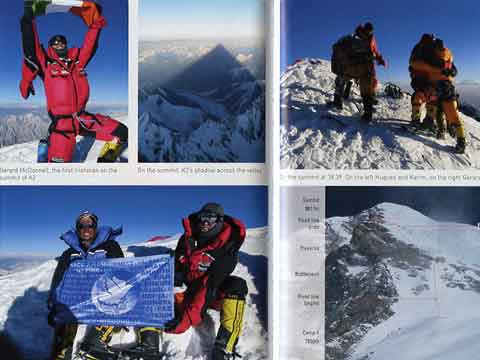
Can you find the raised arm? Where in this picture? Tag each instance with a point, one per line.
(91, 16)
(34, 55)
(33, 52)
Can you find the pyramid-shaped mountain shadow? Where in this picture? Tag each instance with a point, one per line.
(218, 76)
(214, 70)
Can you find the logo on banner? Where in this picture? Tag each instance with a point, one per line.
(112, 293)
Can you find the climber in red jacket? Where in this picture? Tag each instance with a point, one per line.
(67, 89)
(205, 258)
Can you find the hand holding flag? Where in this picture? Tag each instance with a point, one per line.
(87, 10)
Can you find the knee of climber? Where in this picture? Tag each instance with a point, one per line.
(416, 113)
(453, 117)
(61, 148)
(70, 331)
(451, 113)
(432, 110)
(418, 98)
(367, 87)
(340, 84)
(416, 110)
(231, 321)
(121, 132)
(235, 287)
(144, 333)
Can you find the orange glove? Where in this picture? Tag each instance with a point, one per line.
(90, 12)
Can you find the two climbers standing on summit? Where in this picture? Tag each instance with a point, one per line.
(431, 71)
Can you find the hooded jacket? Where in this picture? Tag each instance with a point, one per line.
(190, 251)
(372, 43)
(104, 246)
(202, 285)
(66, 83)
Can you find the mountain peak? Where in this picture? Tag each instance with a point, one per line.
(314, 136)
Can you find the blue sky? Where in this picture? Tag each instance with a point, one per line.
(456, 204)
(201, 19)
(312, 26)
(108, 71)
(33, 218)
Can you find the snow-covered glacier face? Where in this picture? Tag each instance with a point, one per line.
(202, 101)
(396, 279)
(314, 136)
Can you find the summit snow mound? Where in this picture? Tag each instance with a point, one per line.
(23, 309)
(314, 136)
(397, 279)
(86, 151)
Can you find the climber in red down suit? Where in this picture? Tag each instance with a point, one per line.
(66, 87)
(205, 258)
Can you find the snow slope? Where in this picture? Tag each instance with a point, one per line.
(87, 149)
(316, 137)
(427, 308)
(23, 298)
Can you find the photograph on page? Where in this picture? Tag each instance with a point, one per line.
(64, 88)
(202, 80)
(134, 272)
(402, 273)
(384, 85)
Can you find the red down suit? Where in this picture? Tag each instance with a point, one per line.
(67, 90)
(207, 289)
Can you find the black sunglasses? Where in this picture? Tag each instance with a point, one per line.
(208, 218)
(85, 226)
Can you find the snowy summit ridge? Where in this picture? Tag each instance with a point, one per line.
(316, 137)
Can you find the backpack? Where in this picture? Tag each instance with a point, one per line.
(426, 52)
(350, 50)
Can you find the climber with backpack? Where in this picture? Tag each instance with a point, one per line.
(435, 68)
(353, 58)
(424, 91)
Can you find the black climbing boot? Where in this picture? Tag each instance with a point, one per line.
(461, 145)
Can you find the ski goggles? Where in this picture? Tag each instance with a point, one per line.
(58, 40)
(81, 226)
(208, 218)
